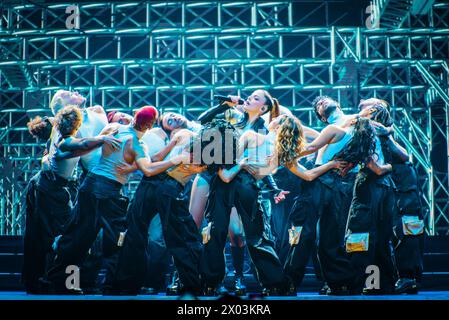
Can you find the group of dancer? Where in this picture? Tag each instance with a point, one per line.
(353, 197)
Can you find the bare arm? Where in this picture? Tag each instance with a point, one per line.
(74, 147)
(227, 175)
(312, 174)
(310, 133)
(149, 168)
(325, 137)
(378, 169)
(109, 129)
(98, 109)
(83, 144)
(163, 153)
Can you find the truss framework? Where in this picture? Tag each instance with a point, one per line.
(177, 55)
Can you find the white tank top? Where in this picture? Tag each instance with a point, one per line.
(154, 141)
(110, 160)
(93, 123)
(260, 153)
(63, 168)
(326, 153)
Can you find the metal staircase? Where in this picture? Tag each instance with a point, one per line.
(393, 13)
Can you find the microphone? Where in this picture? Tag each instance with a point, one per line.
(227, 99)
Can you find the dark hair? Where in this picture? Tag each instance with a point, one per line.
(328, 110)
(40, 128)
(273, 105)
(362, 144)
(68, 120)
(223, 127)
(382, 115)
(273, 108)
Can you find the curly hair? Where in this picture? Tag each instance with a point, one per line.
(290, 140)
(68, 120)
(229, 144)
(362, 144)
(382, 115)
(40, 128)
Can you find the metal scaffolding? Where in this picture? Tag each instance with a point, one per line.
(177, 55)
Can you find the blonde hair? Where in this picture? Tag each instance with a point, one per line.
(58, 101)
(68, 120)
(290, 141)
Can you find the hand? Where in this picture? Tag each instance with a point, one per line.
(235, 100)
(126, 168)
(339, 164)
(280, 196)
(110, 132)
(346, 169)
(272, 161)
(380, 129)
(176, 139)
(244, 163)
(111, 142)
(183, 158)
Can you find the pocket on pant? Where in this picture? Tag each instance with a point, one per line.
(357, 242)
(294, 235)
(412, 225)
(360, 218)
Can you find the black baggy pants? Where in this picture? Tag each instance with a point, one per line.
(243, 193)
(322, 210)
(48, 209)
(164, 195)
(372, 211)
(281, 211)
(100, 206)
(408, 249)
(304, 213)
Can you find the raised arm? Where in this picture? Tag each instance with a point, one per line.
(310, 175)
(73, 147)
(325, 137)
(212, 113)
(310, 134)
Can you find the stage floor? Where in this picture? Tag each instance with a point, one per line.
(424, 295)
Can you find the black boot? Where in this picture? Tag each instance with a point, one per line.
(174, 288)
(220, 290)
(405, 285)
(323, 290)
(238, 258)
